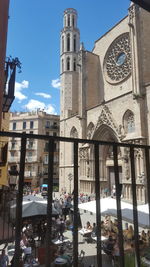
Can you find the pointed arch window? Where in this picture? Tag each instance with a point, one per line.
(73, 21)
(62, 65)
(129, 122)
(68, 42)
(74, 43)
(74, 64)
(62, 44)
(68, 20)
(68, 63)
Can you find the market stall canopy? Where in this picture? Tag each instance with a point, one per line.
(108, 207)
(32, 206)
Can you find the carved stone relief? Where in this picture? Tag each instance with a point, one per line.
(106, 118)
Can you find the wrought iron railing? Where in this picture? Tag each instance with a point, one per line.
(76, 143)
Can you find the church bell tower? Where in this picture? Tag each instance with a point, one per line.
(70, 45)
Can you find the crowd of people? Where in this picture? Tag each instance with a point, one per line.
(34, 232)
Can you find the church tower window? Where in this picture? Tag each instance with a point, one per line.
(74, 64)
(73, 21)
(68, 42)
(68, 20)
(68, 63)
(62, 44)
(74, 43)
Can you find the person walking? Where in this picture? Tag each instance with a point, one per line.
(4, 260)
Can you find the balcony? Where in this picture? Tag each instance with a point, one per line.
(52, 127)
(136, 217)
(31, 147)
(29, 174)
(13, 159)
(31, 159)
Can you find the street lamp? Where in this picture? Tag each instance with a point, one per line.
(70, 177)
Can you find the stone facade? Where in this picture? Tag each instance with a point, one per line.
(36, 167)
(106, 97)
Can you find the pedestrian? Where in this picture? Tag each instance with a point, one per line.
(61, 229)
(4, 260)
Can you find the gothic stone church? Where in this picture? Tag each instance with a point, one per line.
(105, 95)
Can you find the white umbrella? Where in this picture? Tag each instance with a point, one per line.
(32, 208)
(108, 206)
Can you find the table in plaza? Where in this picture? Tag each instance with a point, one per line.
(85, 232)
(103, 238)
(59, 242)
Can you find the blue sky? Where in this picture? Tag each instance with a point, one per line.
(34, 37)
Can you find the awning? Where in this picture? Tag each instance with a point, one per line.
(108, 207)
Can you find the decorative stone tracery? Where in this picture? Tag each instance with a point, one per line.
(117, 62)
(106, 118)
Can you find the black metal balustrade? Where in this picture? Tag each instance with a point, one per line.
(76, 142)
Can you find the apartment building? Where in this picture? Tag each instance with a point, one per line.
(36, 165)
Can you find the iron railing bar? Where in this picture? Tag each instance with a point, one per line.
(49, 204)
(68, 139)
(135, 213)
(118, 203)
(98, 208)
(147, 159)
(4, 213)
(19, 203)
(75, 212)
(8, 219)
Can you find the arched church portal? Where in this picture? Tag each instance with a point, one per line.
(107, 176)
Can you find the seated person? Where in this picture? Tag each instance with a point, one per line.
(94, 230)
(148, 237)
(108, 246)
(88, 226)
(63, 256)
(143, 236)
(130, 233)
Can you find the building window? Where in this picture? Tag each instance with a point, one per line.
(31, 132)
(24, 124)
(74, 43)
(14, 125)
(30, 144)
(68, 63)
(31, 124)
(68, 42)
(12, 154)
(62, 44)
(12, 145)
(74, 64)
(47, 125)
(68, 20)
(54, 134)
(73, 21)
(46, 159)
(47, 133)
(129, 122)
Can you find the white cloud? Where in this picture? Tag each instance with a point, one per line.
(56, 83)
(43, 95)
(35, 104)
(18, 90)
